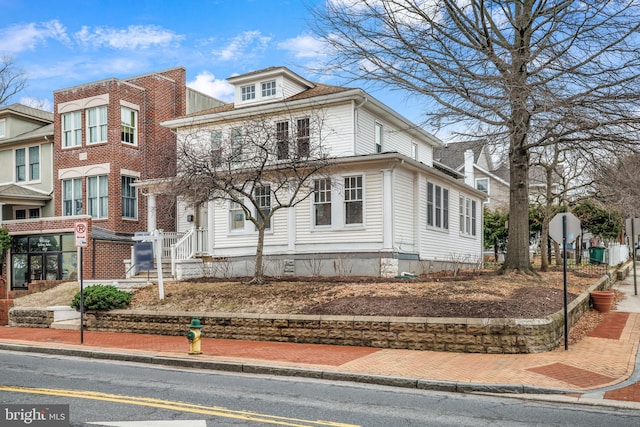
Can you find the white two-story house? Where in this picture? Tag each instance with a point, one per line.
(382, 210)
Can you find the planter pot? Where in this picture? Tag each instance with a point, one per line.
(602, 300)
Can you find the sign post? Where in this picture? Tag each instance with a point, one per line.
(632, 226)
(156, 238)
(564, 228)
(80, 230)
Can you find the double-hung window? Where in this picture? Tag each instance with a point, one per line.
(21, 164)
(71, 129)
(437, 206)
(34, 163)
(97, 196)
(236, 216)
(353, 194)
(378, 137)
(72, 197)
(468, 216)
(303, 135)
(129, 125)
(248, 92)
(129, 198)
(262, 197)
(97, 124)
(237, 141)
(322, 202)
(27, 164)
(268, 88)
(282, 140)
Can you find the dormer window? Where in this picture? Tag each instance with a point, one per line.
(248, 92)
(268, 88)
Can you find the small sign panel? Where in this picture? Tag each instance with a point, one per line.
(81, 234)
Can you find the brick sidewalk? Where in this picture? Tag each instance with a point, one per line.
(605, 358)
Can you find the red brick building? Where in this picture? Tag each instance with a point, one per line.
(107, 135)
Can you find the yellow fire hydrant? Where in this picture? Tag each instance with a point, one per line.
(194, 336)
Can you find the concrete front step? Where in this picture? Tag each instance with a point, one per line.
(68, 325)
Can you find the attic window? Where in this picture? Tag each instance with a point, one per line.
(248, 92)
(268, 88)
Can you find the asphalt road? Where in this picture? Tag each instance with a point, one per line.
(125, 394)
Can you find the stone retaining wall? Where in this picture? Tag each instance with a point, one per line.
(420, 333)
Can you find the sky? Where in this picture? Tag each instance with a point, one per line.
(60, 44)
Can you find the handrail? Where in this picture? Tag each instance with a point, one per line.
(193, 242)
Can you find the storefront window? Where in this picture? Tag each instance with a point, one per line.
(45, 257)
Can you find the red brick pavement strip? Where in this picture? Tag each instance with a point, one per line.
(628, 394)
(611, 327)
(572, 375)
(317, 354)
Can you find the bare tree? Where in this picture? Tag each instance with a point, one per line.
(259, 166)
(525, 73)
(12, 80)
(618, 185)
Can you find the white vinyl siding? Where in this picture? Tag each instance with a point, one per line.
(404, 210)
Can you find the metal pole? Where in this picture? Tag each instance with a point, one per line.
(81, 300)
(633, 255)
(564, 274)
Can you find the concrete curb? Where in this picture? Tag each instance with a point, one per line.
(249, 368)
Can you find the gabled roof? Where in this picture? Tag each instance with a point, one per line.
(14, 191)
(27, 112)
(41, 132)
(452, 154)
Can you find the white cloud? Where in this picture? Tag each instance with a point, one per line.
(305, 46)
(42, 104)
(207, 83)
(242, 46)
(18, 38)
(132, 37)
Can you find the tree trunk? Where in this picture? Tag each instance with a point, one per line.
(258, 274)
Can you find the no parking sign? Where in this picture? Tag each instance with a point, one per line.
(80, 233)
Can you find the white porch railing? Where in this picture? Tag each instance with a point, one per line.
(169, 239)
(192, 243)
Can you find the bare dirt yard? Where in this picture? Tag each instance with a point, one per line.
(469, 294)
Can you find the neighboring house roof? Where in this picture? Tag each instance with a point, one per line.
(9, 191)
(41, 132)
(25, 111)
(452, 154)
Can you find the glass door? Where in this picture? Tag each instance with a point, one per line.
(52, 266)
(35, 267)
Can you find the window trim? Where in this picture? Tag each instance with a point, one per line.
(75, 200)
(101, 200)
(378, 132)
(27, 164)
(303, 137)
(488, 184)
(468, 216)
(347, 199)
(282, 139)
(437, 206)
(260, 198)
(99, 126)
(74, 132)
(133, 127)
(248, 92)
(268, 88)
(322, 189)
(128, 197)
(233, 208)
